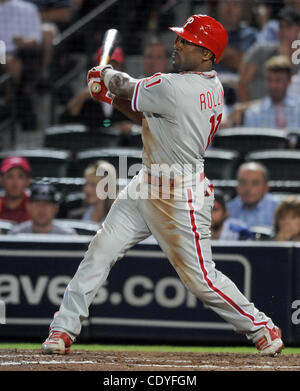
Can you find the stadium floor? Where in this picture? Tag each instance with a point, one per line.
(135, 359)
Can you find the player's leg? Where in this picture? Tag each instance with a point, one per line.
(183, 231)
(123, 228)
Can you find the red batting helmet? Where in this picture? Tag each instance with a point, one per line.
(205, 31)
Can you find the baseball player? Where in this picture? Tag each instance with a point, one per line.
(180, 113)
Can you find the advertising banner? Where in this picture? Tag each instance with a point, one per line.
(295, 317)
(143, 297)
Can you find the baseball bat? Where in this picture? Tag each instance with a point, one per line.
(109, 43)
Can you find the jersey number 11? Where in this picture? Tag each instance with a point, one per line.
(214, 126)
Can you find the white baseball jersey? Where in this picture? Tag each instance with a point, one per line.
(182, 112)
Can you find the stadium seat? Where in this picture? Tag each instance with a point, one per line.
(63, 185)
(122, 159)
(246, 140)
(227, 186)
(294, 138)
(279, 197)
(71, 202)
(285, 186)
(76, 137)
(81, 227)
(6, 226)
(44, 162)
(133, 139)
(283, 164)
(221, 164)
(262, 233)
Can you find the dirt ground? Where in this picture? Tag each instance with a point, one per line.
(80, 360)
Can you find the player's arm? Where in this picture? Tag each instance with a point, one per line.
(119, 83)
(124, 106)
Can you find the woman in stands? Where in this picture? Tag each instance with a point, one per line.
(96, 191)
(287, 220)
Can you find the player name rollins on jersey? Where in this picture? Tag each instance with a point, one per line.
(211, 98)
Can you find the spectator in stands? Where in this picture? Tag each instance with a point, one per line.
(42, 207)
(241, 36)
(15, 179)
(155, 59)
(20, 29)
(266, 19)
(55, 16)
(98, 207)
(83, 109)
(224, 227)
(293, 3)
(98, 199)
(251, 79)
(278, 109)
(287, 220)
(253, 204)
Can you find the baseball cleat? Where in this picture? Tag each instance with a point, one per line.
(57, 343)
(270, 344)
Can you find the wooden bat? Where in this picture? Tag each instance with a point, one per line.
(109, 43)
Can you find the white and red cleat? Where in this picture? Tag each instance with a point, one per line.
(58, 342)
(270, 344)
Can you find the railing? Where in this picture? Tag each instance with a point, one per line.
(77, 26)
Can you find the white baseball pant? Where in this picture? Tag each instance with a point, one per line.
(182, 229)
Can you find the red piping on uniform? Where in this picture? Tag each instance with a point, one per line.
(153, 83)
(135, 95)
(212, 75)
(155, 74)
(202, 266)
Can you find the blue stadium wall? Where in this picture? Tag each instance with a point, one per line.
(143, 299)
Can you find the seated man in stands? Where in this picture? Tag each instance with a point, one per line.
(287, 220)
(15, 179)
(224, 227)
(278, 109)
(42, 208)
(155, 59)
(253, 204)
